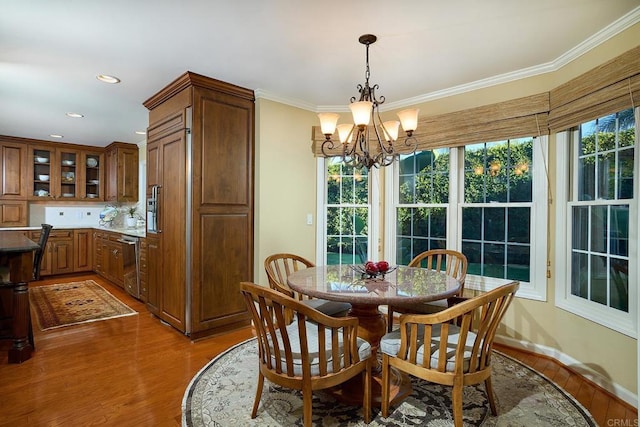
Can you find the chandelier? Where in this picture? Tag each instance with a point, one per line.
(365, 145)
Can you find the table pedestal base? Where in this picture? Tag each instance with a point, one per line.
(352, 391)
(372, 326)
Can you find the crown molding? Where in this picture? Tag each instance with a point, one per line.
(595, 40)
(293, 102)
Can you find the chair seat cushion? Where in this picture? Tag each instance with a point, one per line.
(390, 344)
(364, 348)
(330, 308)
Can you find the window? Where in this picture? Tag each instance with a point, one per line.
(488, 206)
(600, 198)
(346, 213)
(496, 212)
(423, 197)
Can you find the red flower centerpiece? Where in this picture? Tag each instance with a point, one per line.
(372, 270)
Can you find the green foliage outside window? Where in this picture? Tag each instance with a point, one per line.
(347, 213)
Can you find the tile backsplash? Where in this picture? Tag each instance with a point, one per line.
(65, 215)
(85, 215)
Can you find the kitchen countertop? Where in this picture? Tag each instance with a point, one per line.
(137, 232)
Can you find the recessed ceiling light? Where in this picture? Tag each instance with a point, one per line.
(75, 115)
(53, 135)
(107, 79)
(141, 132)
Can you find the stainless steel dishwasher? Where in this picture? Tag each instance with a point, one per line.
(131, 264)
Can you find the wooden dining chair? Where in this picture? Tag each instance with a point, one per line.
(314, 352)
(278, 268)
(452, 347)
(39, 253)
(452, 263)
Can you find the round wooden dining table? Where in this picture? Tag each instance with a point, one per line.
(347, 283)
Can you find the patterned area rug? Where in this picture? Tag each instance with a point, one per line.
(222, 394)
(73, 303)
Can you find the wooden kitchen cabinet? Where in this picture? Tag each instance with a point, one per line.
(97, 252)
(42, 161)
(53, 173)
(200, 157)
(34, 170)
(13, 213)
(82, 249)
(13, 179)
(142, 259)
(108, 257)
(65, 173)
(121, 172)
(91, 175)
(13, 183)
(58, 256)
(153, 270)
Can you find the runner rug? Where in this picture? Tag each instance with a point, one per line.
(74, 303)
(222, 394)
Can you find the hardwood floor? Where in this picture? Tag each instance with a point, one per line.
(133, 371)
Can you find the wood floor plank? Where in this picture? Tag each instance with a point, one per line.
(599, 406)
(133, 371)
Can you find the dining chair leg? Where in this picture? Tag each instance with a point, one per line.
(385, 385)
(456, 397)
(490, 395)
(366, 405)
(307, 397)
(256, 402)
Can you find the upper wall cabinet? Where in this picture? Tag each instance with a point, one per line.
(13, 179)
(42, 171)
(122, 172)
(65, 173)
(92, 175)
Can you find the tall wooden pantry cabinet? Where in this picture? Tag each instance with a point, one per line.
(200, 168)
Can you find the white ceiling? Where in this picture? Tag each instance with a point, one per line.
(301, 52)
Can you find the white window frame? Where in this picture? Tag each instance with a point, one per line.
(536, 288)
(625, 323)
(373, 242)
(391, 186)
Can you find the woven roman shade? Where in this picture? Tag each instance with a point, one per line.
(606, 89)
(504, 120)
(510, 119)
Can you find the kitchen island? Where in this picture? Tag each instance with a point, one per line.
(16, 264)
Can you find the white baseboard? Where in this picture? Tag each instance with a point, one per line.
(576, 365)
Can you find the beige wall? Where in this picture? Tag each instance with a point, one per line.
(285, 193)
(285, 183)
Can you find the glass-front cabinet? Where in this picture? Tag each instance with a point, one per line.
(67, 183)
(65, 174)
(41, 159)
(91, 177)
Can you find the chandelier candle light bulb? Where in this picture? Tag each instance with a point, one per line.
(328, 122)
(390, 129)
(364, 145)
(345, 132)
(361, 112)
